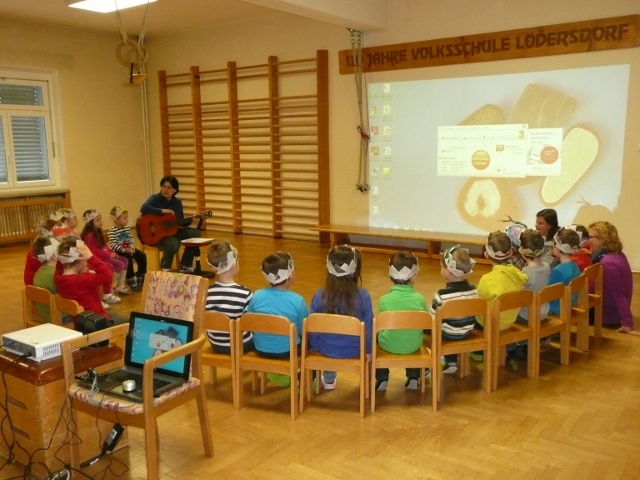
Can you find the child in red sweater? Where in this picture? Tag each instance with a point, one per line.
(77, 283)
(95, 240)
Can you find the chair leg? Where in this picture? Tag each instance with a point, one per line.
(597, 321)
(304, 386)
(293, 386)
(151, 444)
(532, 358)
(582, 329)
(488, 361)
(372, 386)
(565, 347)
(239, 389)
(205, 425)
(213, 375)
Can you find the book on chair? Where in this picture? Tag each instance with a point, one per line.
(149, 335)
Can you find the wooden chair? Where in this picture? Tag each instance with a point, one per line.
(219, 321)
(426, 357)
(275, 325)
(515, 333)
(315, 361)
(594, 279)
(157, 252)
(550, 324)
(65, 306)
(176, 295)
(145, 415)
(479, 340)
(34, 303)
(578, 314)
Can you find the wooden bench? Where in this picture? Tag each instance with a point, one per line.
(339, 235)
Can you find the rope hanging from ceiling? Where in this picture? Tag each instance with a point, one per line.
(357, 40)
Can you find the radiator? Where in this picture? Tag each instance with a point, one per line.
(20, 213)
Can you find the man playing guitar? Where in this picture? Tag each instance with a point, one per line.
(166, 202)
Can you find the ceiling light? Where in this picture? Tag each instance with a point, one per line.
(106, 6)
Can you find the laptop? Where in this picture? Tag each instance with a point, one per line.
(149, 335)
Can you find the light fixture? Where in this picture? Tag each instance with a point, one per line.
(105, 6)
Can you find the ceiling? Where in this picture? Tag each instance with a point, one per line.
(164, 16)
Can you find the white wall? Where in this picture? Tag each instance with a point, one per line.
(291, 37)
(103, 150)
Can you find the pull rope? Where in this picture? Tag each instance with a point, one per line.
(356, 45)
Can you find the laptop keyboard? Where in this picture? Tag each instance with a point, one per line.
(122, 375)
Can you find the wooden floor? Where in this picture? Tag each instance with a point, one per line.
(576, 422)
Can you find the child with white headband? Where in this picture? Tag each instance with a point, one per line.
(582, 256)
(565, 243)
(502, 278)
(45, 250)
(277, 299)
(122, 242)
(226, 296)
(94, 238)
(341, 295)
(455, 265)
(81, 276)
(403, 268)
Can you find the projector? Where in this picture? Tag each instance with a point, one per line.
(40, 343)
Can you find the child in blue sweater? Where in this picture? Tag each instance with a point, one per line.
(341, 295)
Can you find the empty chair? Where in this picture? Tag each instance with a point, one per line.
(275, 325)
(478, 340)
(426, 357)
(549, 325)
(517, 332)
(315, 361)
(595, 285)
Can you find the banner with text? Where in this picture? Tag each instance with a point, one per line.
(577, 37)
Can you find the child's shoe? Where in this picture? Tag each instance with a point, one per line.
(134, 285)
(477, 356)
(184, 269)
(105, 305)
(280, 380)
(329, 385)
(411, 384)
(381, 385)
(450, 367)
(140, 279)
(122, 290)
(111, 298)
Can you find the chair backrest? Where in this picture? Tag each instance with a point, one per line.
(578, 286)
(404, 320)
(217, 321)
(511, 301)
(264, 323)
(33, 301)
(66, 306)
(331, 323)
(175, 295)
(465, 307)
(594, 277)
(548, 294)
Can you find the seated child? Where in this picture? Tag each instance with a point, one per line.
(566, 243)
(341, 295)
(66, 222)
(32, 264)
(502, 278)
(121, 241)
(513, 231)
(277, 299)
(94, 238)
(403, 268)
(76, 283)
(455, 264)
(45, 249)
(531, 248)
(226, 296)
(582, 256)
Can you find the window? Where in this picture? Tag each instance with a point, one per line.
(27, 155)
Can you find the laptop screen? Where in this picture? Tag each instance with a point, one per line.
(151, 335)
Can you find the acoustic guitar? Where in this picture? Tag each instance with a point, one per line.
(153, 228)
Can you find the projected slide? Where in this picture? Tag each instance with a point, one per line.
(459, 155)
